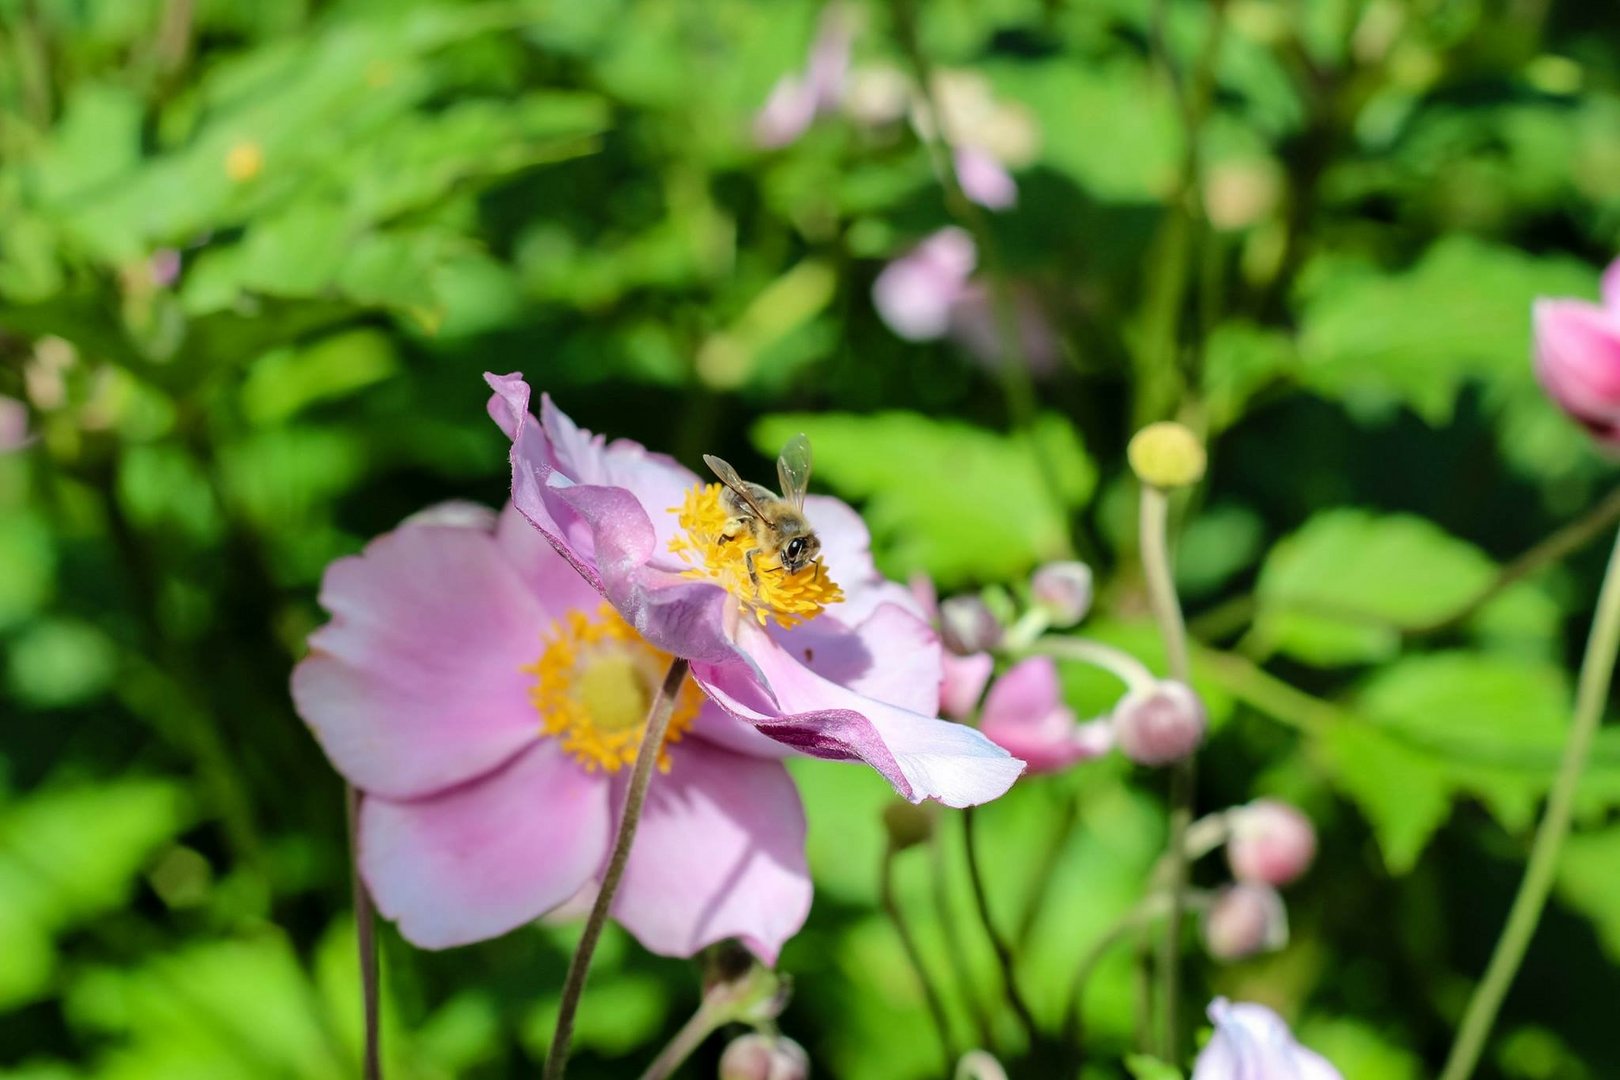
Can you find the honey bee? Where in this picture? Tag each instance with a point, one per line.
(774, 524)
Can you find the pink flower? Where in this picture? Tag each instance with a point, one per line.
(916, 293)
(1577, 346)
(963, 674)
(1159, 724)
(1271, 842)
(1252, 1043)
(487, 703)
(1024, 713)
(846, 671)
(796, 101)
(984, 179)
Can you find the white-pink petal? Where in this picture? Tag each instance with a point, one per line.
(719, 854)
(489, 856)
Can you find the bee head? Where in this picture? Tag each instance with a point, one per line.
(799, 551)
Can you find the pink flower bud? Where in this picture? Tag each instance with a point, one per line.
(1578, 357)
(1245, 919)
(1161, 724)
(1271, 843)
(1063, 590)
(764, 1057)
(967, 625)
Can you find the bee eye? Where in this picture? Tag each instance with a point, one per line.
(794, 548)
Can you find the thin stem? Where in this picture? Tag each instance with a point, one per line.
(1117, 662)
(1597, 669)
(365, 923)
(1004, 955)
(699, 1026)
(1155, 542)
(902, 929)
(652, 741)
(955, 954)
(1068, 816)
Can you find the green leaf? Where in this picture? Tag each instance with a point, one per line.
(1586, 882)
(1144, 1067)
(287, 381)
(957, 501)
(1342, 588)
(1416, 337)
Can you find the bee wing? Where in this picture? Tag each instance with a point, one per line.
(793, 470)
(728, 476)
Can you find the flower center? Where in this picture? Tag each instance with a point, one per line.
(770, 592)
(593, 684)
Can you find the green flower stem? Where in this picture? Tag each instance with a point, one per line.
(1003, 951)
(1144, 912)
(365, 922)
(1117, 662)
(902, 929)
(955, 954)
(698, 1027)
(1155, 542)
(652, 740)
(1597, 669)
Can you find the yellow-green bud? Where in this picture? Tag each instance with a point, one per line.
(908, 824)
(1167, 455)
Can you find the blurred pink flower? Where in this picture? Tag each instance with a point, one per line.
(1024, 713)
(963, 675)
(929, 293)
(984, 179)
(487, 702)
(1271, 842)
(13, 425)
(1577, 357)
(1252, 1043)
(797, 100)
(916, 293)
(847, 672)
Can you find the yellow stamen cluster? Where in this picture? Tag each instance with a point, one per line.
(713, 556)
(593, 685)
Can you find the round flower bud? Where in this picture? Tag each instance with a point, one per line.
(764, 1057)
(967, 625)
(1244, 920)
(1271, 842)
(1160, 724)
(1063, 591)
(1167, 455)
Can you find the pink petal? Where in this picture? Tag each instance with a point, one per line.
(13, 424)
(720, 854)
(973, 325)
(1025, 714)
(924, 758)
(846, 552)
(828, 68)
(536, 563)
(983, 179)
(415, 684)
(1578, 358)
(1611, 286)
(962, 682)
(914, 294)
(786, 114)
(603, 523)
(489, 856)
(892, 656)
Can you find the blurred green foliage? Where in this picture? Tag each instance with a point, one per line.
(254, 255)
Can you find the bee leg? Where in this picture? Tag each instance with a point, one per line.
(748, 561)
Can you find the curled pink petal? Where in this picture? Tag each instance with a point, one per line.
(1024, 713)
(924, 758)
(964, 680)
(479, 860)
(720, 853)
(416, 683)
(1577, 359)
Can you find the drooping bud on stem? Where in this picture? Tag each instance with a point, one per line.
(1063, 589)
(1160, 724)
(967, 625)
(1244, 920)
(1271, 842)
(764, 1057)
